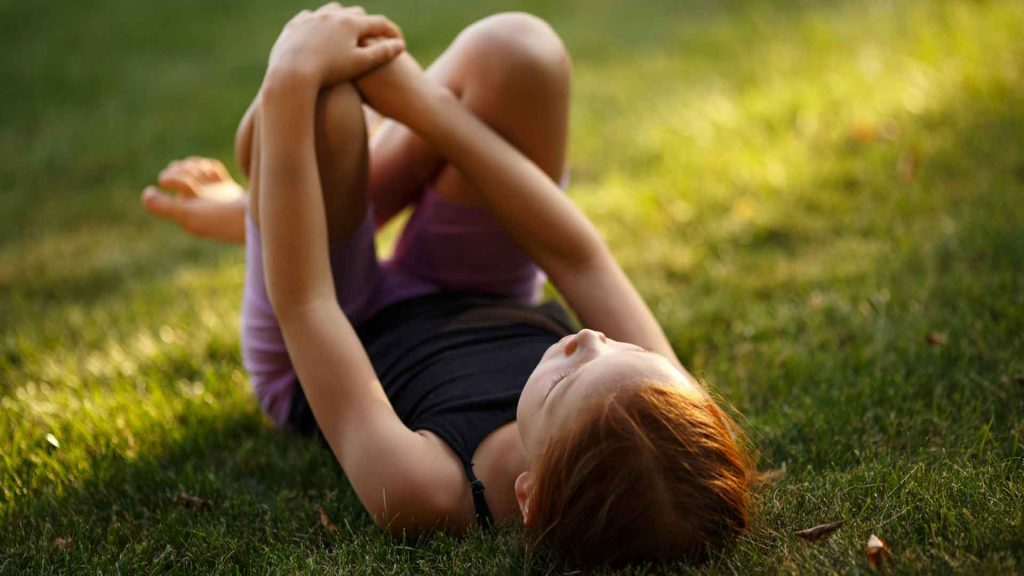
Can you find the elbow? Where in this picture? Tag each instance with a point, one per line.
(290, 297)
(581, 261)
(413, 511)
(586, 250)
(295, 313)
(284, 304)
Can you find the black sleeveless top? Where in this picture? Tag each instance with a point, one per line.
(454, 364)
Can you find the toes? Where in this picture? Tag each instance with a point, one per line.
(181, 180)
(161, 204)
(203, 170)
(197, 168)
(213, 170)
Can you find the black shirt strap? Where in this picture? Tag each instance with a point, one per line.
(483, 511)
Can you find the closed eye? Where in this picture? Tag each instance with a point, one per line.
(561, 376)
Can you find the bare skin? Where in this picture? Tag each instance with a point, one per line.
(527, 101)
(205, 200)
(457, 126)
(510, 70)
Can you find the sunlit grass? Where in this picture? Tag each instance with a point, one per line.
(823, 203)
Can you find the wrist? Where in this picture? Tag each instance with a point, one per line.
(286, 81)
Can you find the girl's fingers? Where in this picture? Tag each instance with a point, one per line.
(329, 6)
(378, 26)
(381, 52)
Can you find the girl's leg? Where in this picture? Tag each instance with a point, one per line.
(342, 157)
(513, 71)
(342, 160)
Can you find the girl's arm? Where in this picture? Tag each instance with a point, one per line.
(403, 478)
(535, 212)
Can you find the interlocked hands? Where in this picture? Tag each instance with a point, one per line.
(334, 44)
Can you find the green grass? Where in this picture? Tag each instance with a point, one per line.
(804, 191)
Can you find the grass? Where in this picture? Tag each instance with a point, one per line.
(822, 201)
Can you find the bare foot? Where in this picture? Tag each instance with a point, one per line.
(205, 200)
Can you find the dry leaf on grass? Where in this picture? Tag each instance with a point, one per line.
(819, 532)
(877, 552)
(863, 132)
(326, 521)
(63, 544)
(770, 476)
(1015, 378)
(889, 131)
(189, 502)
(936, 339)
(907, 165)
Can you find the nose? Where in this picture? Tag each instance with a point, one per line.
(586, 339)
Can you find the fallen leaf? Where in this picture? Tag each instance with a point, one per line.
(819, 532)
(63, 544)
(863, 132)
(817, 300)
(906, 168)
(889, 131)
(877, 552)
(1015, 378)
(326, 521)
(189, 502)
(769, 476)
(936, 339)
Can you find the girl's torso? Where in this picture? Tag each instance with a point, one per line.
(453, 365)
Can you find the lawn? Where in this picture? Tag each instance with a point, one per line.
(823, 203)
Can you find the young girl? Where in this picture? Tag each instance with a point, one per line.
(447, 394)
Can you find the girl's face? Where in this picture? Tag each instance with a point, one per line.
(576, 372)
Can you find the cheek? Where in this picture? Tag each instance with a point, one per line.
(527, 398)
(532, 396)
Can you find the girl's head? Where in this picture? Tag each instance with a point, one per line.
(630, 459)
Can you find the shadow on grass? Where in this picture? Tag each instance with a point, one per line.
(256, 484)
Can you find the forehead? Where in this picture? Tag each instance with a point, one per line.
(611, 372)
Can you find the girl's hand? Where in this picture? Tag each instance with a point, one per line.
(330, 45)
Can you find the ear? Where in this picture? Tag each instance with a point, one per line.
(524, 488)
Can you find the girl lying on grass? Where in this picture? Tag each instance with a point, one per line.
(435, 374)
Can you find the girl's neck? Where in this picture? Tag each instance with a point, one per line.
(498, 461)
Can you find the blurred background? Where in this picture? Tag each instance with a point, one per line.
(822, 201)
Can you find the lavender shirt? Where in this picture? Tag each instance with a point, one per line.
(444, 246)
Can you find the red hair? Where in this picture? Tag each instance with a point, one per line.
(651, 473)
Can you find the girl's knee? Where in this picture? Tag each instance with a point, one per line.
(516, 47)
(339, 111)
